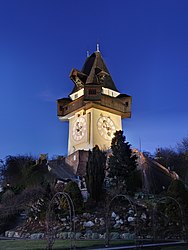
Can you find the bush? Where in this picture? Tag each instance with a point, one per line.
(73, 190)
(134, 181)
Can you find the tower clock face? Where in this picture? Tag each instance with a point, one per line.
(106, 127)
(79, 129)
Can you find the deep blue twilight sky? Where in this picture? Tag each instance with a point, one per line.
(143, 42)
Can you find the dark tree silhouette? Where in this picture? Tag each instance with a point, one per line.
(16, 171)
(122, 162)
(175, 159)
(21, 172)
(95, 173)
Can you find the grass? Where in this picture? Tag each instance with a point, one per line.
(59, 244)
(64, 244)
(176, 248)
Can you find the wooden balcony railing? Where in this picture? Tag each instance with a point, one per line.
(105, 101)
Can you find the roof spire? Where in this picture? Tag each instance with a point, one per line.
(98, 47)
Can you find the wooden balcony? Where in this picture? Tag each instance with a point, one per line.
(111, 104)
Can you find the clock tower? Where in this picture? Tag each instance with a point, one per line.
(94, 108)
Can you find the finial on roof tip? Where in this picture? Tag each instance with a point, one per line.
(98, 47)
(87, 53)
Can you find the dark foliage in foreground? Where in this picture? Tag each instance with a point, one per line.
(95, 173)
(122, 162)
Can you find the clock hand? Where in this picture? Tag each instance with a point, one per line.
(78, 128)
(105, 124)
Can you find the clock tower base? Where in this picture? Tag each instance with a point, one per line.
(77, 162)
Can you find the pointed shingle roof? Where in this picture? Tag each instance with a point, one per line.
(94, 68)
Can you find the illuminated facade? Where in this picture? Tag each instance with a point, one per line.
(94, 108)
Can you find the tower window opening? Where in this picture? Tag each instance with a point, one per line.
(127, 104)
(92, 92)
(101, 78)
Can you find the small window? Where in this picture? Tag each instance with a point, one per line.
(101, 77)
(61, 108)
(127, 104)
(92, 92)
